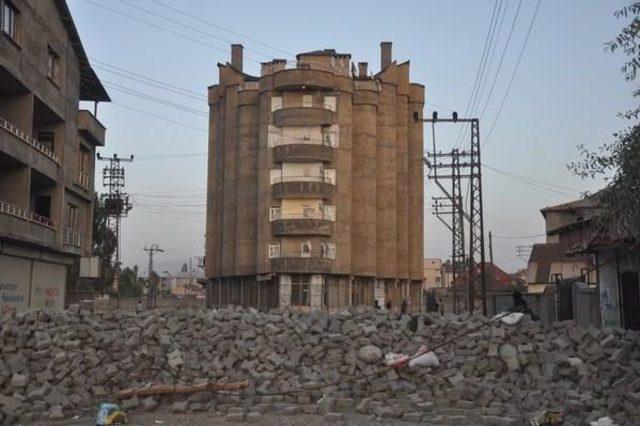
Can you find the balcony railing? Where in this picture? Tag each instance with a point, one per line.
(303, 215)
(82, 180)
(72, 237)
(28, 139)
(302, 178)
(28, 215)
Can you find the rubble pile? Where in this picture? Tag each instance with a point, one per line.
(54, 365)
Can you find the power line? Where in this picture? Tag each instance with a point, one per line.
(151, 98)
(534, 182)
(158, 15)
(160, 27)
(159, 117)
(199, 19)
(521, 237)
(504, 51)
(515, 71)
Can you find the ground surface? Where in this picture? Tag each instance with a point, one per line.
(162, 417)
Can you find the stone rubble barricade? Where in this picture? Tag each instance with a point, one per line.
(56, 365)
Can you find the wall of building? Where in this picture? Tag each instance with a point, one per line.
(377, 192)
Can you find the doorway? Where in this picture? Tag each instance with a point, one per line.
(630, 300)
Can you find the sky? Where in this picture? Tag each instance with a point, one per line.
(565, 91)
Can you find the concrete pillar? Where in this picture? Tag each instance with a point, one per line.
(379, 292)
(316, 292)
(285, 290)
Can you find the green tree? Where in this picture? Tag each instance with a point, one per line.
(618, 162)
(130, 286)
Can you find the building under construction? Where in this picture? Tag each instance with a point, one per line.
(315, 185)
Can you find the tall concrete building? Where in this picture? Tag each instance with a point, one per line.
(315, 186)
(47, 151)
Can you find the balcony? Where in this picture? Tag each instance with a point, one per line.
(303, 152)
(91, 128)
(24, 225)
(72, 237)
(302, 187)
(307, 78)
(82, 180)
(297, 264)
(26, 149)
(303, 116)
(298, 225)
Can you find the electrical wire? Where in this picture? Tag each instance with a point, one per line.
(159, 117)
(519, 238)
(515, 71)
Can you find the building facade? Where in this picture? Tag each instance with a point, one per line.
(315, 186)
(432, 273)
(47, 151)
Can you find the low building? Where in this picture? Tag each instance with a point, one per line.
(432, 273)
(47, 152)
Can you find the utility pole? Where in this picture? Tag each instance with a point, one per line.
(115, 204)
(492, 274)
(475, 259)
(151, 293)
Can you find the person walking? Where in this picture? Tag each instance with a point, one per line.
(376, 305)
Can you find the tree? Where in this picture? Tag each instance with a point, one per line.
(618, 162)
(104, 242)
(130, 285)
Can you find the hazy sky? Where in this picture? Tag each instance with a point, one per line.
(566, 92)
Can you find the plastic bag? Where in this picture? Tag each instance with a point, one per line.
(395, 360)
(428, 359)
(510, 319)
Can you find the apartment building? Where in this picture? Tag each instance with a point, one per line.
(315, 185)
(432, 273)
(47, 151)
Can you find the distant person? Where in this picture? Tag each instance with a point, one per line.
(389, 305)
(139, 306)
(404, 306)
(432, 302)
(376, 305)
(520, 305)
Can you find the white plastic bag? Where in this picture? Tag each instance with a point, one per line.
(428, 359)
(395, 360)
(510, 319)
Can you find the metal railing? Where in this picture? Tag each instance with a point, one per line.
(302, 215)
(313, 254)
(28, 139)
(28, 215)
(302, 178)
(72, 237)
(82, 179)
(279, 140)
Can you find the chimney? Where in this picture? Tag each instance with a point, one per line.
(362, 69)
(236, 56)
(385, 54)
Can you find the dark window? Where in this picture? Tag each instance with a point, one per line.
(300, 290)
(53, 71)
(42, 205)
(47, 139)
(9, 19)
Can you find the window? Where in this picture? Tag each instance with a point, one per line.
(72, 216)
(308, 212)
(274, 213)
(328, 250)
(84, 160)
(53, 71)
(47, 139)
(330, 176)
(276, 103)
(307, 101)
(300, 289)
(275, 176)
(330, 213)
(274, 250)
(330, 103)
(9, 19)
(305, 249)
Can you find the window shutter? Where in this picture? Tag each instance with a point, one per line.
(330, 103)
(307, 101)
(330, 213)
(330, 176)
(276, 103)
(331, 251)
(275, 176)
(274, 250)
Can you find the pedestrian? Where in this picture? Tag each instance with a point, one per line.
(389, 305)
(404, 306)
(376, 305)
(139, 306)
(520, 305)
